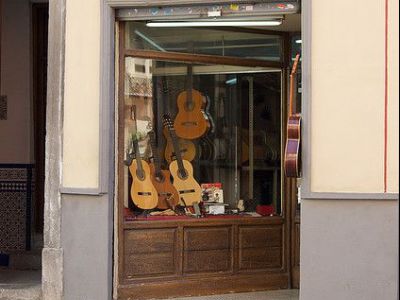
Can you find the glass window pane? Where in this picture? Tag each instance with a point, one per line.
(227, 42)
(241, 149)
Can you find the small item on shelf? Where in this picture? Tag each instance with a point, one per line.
(240, 205)
(212, 192)
(265, 210)
(213, 208)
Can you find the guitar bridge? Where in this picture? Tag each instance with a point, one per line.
(189, 123)
(186, 191)
(144, 193)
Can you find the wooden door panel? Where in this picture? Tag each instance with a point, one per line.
(207, 261)
(150, 252)
(208, 249)
(260, 247)
(207, 238)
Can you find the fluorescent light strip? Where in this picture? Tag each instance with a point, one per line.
(214, 23)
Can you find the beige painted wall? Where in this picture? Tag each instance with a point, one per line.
(347, 135)
(16, 133)
(393, 113)
(81, 94)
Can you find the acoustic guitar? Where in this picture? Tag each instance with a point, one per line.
(182, 171)
(144, 194)
(167, 194)
(190, 121)
(186, 147)
(293, 149)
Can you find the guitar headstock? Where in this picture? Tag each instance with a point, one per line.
(295, 65)
(167, 121)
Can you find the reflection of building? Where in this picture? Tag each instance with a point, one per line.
(349, 189)
(139, 81)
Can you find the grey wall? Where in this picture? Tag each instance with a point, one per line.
(87, 244)
(349, 250)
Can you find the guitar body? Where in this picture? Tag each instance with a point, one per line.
(190, 122)
(187, 148)
(167, 194)
(187, 188)
(143, 192)
(293, 150)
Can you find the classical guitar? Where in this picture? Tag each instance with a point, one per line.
(186, 147)
(182, 171)
(167, 194)
(190, 121)
(292, 150)
(144, 194)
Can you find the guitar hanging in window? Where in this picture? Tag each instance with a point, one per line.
(292, 162)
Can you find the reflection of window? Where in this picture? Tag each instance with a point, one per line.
(227, 42)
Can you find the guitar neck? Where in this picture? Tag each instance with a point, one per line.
(175, 144)
(292, 92)
(156, 157)
(189, 84)
(140, 172)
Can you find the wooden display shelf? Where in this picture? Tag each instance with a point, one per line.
(197, 256)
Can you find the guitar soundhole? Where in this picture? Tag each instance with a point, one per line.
(182, 174)
(140, 175)
(189, 105)
(160, 177)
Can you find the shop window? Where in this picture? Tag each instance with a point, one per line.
(237, 157)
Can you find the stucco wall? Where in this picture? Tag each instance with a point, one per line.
(348, 96)
(17, 131)
(81, 94)
(86, 242)
(349, 248)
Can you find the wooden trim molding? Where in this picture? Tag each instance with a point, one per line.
(144, 3)
(202, 58)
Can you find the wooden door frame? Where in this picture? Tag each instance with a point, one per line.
(288, 191)
(39, 89)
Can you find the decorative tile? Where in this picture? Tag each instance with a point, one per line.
(3, 108)
(16, 190)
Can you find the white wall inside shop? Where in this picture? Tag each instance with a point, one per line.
(16, 133)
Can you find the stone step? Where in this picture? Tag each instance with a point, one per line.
(20, 285)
